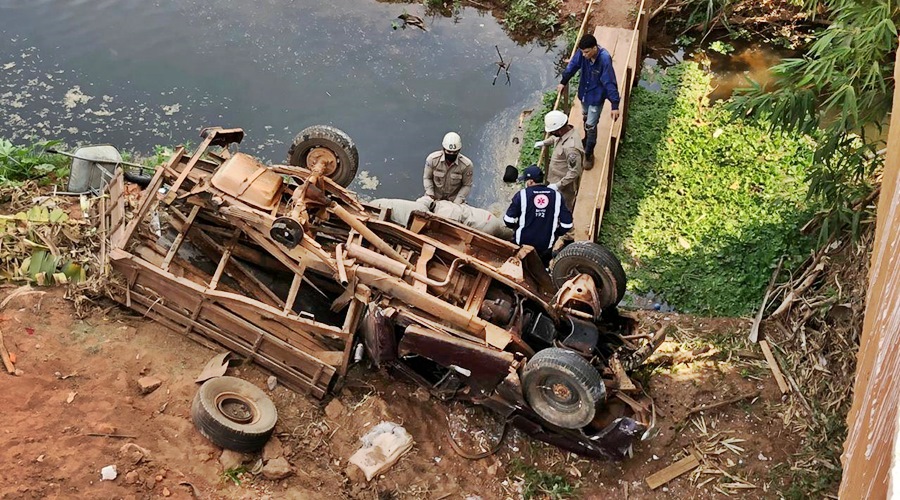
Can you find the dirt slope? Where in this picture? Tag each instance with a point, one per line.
(49, 455)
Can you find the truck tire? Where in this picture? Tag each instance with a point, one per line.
(562, 387)
(234, 414)
(333, 139)
(595, 260)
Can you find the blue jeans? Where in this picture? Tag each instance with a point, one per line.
(591, 115)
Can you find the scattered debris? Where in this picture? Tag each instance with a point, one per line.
(231, 459)
(381, 448)
(71, 397)
(134, 453)
(108, 473)
(334, 409)
(133, 477)
(272, 382)
(148, 384)
(216, 367)
(273, 449)
(680, 467)
(116, 436)
(716, 406)
(277, 468)
(7, 359)
(773, 365)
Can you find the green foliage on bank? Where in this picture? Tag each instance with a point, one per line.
(20, 163)
(704, 205)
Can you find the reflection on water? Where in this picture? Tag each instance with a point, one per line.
(748, 62)
(138, 73)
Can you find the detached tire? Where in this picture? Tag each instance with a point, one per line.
(234, 414)
(333, 139)
(593, 259)
(563, 388)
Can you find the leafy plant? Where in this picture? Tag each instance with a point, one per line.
(843, 87)
(532, 16)
(234, 474)
(541, 484)
(21, 163)
(721, 47)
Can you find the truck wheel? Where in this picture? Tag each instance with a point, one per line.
(234, 414)
(595, 260)
(562, 387)
(332, 139)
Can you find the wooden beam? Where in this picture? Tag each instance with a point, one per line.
(185, 228)
(214, 282)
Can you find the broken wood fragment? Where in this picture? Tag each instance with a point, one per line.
(773, 365)
(7, 362)
(118, 436)
(715, 406)
(754, 329)
(680, 467)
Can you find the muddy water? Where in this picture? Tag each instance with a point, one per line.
(138, 73)
(748, 62)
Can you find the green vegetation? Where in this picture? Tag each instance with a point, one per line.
(840, 89)
(233, 475)
(537, 483)
(704, 205)
(21, 163)
(532, 16)
(524, 19)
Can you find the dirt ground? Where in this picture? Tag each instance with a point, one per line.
(80, 377)
(615, 13)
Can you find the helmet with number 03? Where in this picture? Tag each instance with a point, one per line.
(555, 120)
(452, 142)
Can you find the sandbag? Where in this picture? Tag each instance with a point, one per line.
(400, 210)
(474, 217)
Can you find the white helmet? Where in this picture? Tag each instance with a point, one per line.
(555, 120)
(452, 142)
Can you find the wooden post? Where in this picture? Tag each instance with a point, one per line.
(872, 422)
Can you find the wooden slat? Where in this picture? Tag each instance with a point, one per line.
(680, 467)
(180, 238)
(148, 199)
(223, 262)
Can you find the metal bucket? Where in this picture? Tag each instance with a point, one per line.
(94, 163)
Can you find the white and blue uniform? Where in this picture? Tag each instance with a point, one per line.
(539, 216)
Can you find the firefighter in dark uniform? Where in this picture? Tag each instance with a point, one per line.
(538, 214)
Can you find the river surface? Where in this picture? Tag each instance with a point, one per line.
(141, 73)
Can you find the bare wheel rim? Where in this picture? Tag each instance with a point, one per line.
(237, 408)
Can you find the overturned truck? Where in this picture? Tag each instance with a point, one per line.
(283, 265)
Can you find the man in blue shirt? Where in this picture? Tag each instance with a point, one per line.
(597, 84)
(538, 214)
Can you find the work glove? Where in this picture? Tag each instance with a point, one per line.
(554, 187)
(538, 144)
(426, 200)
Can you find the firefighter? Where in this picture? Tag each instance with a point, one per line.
(448, 174)
(538, 214)
(567, 160)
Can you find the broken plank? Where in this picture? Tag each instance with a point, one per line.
(754, 329)
(7, 362)
(720, 404)
(680, 467)
(773, 365)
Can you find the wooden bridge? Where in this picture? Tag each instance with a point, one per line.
(626, 47)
